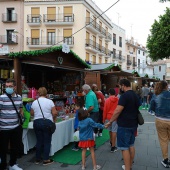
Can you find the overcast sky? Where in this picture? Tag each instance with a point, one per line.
(135, 16)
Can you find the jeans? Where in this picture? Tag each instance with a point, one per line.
(43, 139)
(144, 104)
(13, 136)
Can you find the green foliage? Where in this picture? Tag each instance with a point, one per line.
(158, 42)
(164, 1)
(44, 51)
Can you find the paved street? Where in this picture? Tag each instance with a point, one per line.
(148, 153)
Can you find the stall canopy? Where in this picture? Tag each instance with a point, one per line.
(110, 68)
(150, 78)
(52, 57)
(134, 72)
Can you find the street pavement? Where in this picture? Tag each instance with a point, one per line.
(148, 153)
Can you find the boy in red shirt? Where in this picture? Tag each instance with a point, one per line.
(109, 107)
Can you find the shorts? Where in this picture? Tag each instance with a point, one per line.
(86, 144)
(125, 137)
(113, 127)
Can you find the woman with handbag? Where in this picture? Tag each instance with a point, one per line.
(160, 104)
(45, 114)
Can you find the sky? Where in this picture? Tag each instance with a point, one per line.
(135, 16)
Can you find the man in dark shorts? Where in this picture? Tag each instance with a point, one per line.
(126, 115)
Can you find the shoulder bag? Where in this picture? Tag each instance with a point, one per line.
(51, 126)
(19, 115)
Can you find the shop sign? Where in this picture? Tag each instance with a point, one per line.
(60, 60)
(4, 50)
(65, 48)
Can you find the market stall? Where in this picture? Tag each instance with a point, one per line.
(61, 137)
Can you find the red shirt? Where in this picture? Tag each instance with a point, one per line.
(100, 95)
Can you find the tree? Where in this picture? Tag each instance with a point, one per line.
(158, 42)
(163, 0)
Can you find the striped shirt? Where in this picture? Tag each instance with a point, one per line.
(8, 115)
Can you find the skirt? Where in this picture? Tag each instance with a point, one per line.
(86, 144)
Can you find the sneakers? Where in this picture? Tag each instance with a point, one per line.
(37, 161)
(15, 167)
(97, 167)
(75, 149)
(100, 134)
(48, 162)
(83, 168)
(123, 167)
(165, 163)
(113, 149)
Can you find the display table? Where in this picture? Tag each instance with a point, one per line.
(61, 137)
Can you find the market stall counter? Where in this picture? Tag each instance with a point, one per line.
(61, 137)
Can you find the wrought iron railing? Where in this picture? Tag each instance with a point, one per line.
(34, 18)
(8, 17)
(7, 39)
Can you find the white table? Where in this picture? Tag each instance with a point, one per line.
(61, 137)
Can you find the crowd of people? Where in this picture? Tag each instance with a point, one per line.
(115, 109)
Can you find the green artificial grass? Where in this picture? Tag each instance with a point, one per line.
(68, 156)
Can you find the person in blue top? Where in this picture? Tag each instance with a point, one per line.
(86, 136)
(78, 105)
(91, 104)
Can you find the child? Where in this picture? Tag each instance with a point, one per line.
(78, 105)
(86, 126)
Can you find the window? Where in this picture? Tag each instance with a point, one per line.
(105, 60)
(35, 13)
(68, 14)
(128, 47)
(100, 60)
(120, 41)
(159, 68)
(51, 14)
(138, 62)
(114, 39)
(133, 49)
(114, 53)
(51, 37)
(120, 55)
(66, 34)
(143, 53)
(94, 59)
(9, 36)
(10, 14)
(87, 57)
(138, 51)
(35, 34)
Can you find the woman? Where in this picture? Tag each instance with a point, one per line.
(160, 104)
(42, 133)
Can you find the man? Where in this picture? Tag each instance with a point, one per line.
(145, 91)
(10, 128)
(126, 115)
(101, 101)
(91, 104)
(109, 107)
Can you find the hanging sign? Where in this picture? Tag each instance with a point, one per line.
(65, 48)
(4, 50)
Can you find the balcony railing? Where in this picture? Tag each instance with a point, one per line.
(102, 31)
(6, 17)
(34, 18)
(4, 39)
(58, 18)
(93, 23)
(92, 44)
(134, 64)
(108, 36)
(52, 40)
(129, 62)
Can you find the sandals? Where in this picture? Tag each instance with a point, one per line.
(48, 162)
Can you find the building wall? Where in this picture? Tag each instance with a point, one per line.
(160, 71)
(18, 25)
(79, 11)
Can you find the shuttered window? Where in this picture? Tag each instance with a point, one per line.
(100, 44)
(100, 60)
(68, 10)
(50, 30)
(87, 16)
(94, 59)
(51, 13)
(35, 11)
(67, 32)
(106, 46)
(35, 33)
(87, 57)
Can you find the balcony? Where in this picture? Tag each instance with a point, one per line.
(34, 20)
(129, 62)
(92, 26)
(7, 39)
(108, 37)
(45, 42)
(134, 64)
(102, 51)
(108, 53)
(92, 46)
(57, 20)
(102, 32)
(8, 18)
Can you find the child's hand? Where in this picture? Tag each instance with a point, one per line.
(107, 124)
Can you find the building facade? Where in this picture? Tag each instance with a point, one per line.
(11, 12)
(75, 22)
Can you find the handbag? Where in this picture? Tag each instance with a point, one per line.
(20, 118)
(51, 126)
(140, 118)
